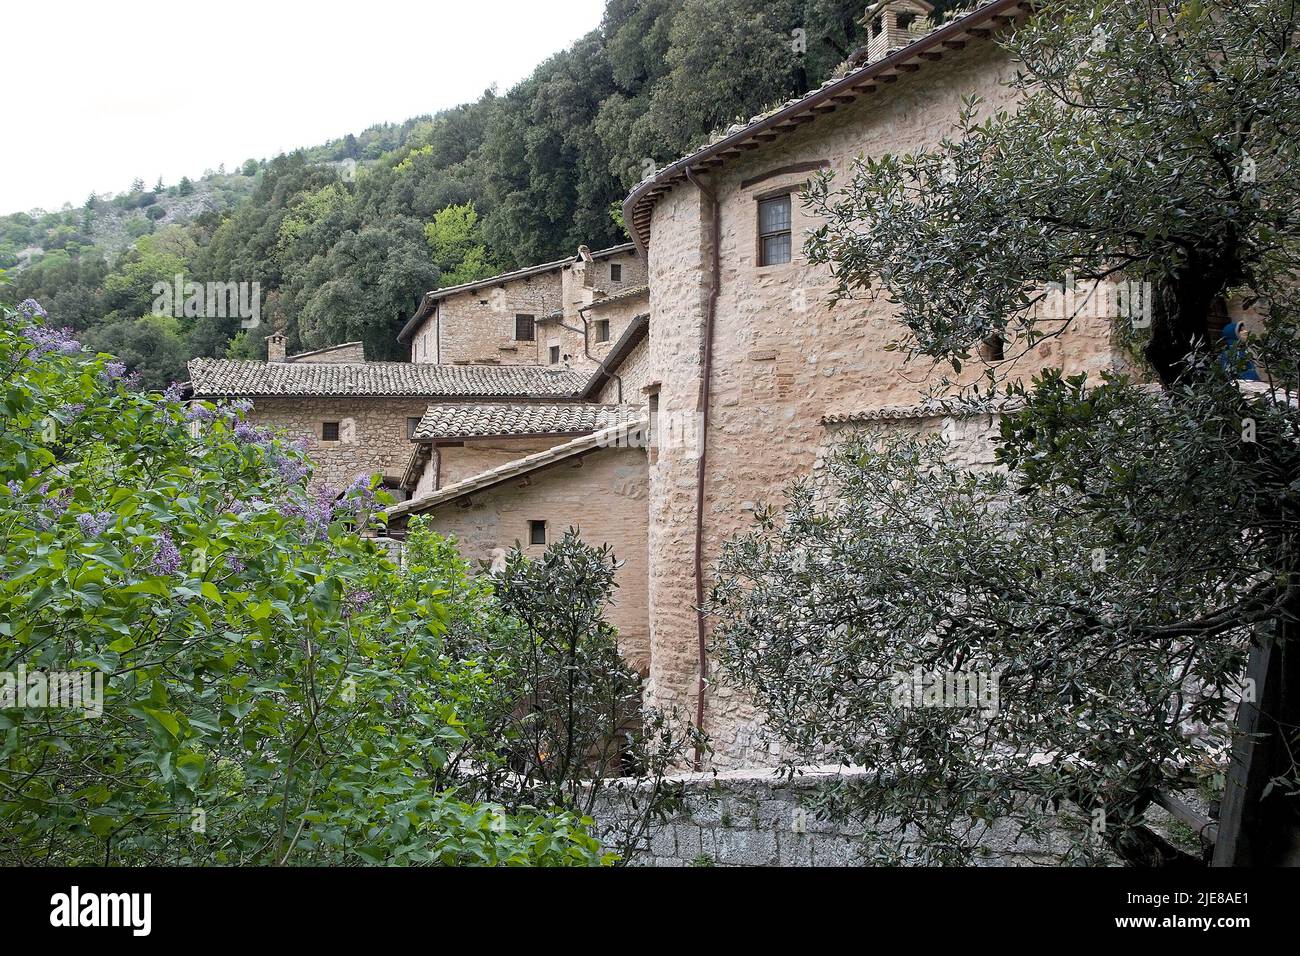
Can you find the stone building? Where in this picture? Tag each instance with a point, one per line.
(595, 483)
(654, 393)
(519, 317)
(746, 353)
(357, 417)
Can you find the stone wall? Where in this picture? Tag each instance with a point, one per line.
(603, 495)
(619, 314)
(458, 462)
(784, 355)
(634, 373)
(372, 433)
(759, 818)
(349, 352)
(478, 326)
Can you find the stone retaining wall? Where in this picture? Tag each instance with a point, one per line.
(758, 818)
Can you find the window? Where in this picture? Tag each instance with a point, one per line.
(329, 431)
(412, 424)
(774, 231)
(555, 355)
(993, 349)
(602, 330)
(615, 272)
(652, 440)
(537, 532)
(524, 328)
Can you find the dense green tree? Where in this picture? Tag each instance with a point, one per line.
(1140, 542)
(154, 346)
(456, 247)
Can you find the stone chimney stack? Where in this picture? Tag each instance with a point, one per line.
(275, 347)
(891, 25)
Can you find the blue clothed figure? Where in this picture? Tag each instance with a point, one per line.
(1234, 357)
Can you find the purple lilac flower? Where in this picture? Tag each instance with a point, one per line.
(250, 434)
(241, 406)
(235, 563)
(167, 558)
(56, 505)
(15, 487)
(73, 410)
(113, 371)
(317, 512)
(200, 413)
(30, 308)
(46, 340)
(174, 393)
(356, 602)
(93, 525)
(292, 471)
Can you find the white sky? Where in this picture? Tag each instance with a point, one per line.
(116, 90)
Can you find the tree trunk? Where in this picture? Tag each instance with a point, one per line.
(1258, 828)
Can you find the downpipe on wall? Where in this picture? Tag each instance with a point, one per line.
(706, 371)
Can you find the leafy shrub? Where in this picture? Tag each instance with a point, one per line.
(560, 722)
(273, 691)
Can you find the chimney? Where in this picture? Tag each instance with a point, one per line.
(892, 25)
(582, 268)
(275, 347)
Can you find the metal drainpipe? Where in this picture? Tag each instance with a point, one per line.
(705, 374)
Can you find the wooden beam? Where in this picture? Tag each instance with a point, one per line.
(1185, 813)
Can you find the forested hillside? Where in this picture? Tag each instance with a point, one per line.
(345, 237)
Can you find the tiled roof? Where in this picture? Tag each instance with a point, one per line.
(489, 420)
(214, 378)
(931, 408)
(627, 295)
(624, 435)
(834, 93)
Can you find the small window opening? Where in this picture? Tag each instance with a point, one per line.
(616, 272)
(774, 231)
(537, 532)
(524, 326)
(602, 330)
(555, 355)
(993, 348)
(329, 431)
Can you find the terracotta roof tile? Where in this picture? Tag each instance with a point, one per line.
(216, 378)
(490, 420)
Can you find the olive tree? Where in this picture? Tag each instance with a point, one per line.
(1138, 543)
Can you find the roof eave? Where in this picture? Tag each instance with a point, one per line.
(851, 85)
